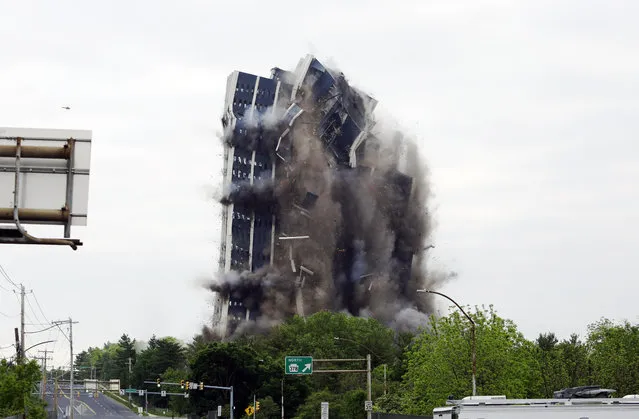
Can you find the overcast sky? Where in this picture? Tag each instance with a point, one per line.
(527, 112)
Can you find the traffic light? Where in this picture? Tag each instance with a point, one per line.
(187, 385)
(158, 381)
(257, 406)
(201, 385)
(181, 383)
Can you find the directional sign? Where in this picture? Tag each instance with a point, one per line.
(131, 390)
(298, 365)
(121, 392)
(163, 393)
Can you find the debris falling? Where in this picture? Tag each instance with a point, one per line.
(323, 210)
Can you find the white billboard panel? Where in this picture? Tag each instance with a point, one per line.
(53, 167)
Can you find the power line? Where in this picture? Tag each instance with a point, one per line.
(39, 306)
(8, 316)
(43, 330)
(7, 277)
(34, 313)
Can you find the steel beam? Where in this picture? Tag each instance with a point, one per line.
(36, 152)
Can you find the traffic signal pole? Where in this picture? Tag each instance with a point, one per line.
(201, 386)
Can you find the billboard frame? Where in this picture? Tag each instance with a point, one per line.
(64, 150)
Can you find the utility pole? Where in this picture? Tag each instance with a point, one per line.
(22, 322)
(44, 371)
(18, 344)
(71, 363)
(282, 398)
(129, 379)
(254, 405)
(369, 413)
(71, 394)
(55, 396)
(385, 388)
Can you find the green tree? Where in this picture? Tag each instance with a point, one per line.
(175, 404)
(125, 356)
(226, 364)
(16, 385)
(439, 361)
(335, 335)
(614, 355)
(269, 409)
(83, 366)
(574, 358)
(160, 355)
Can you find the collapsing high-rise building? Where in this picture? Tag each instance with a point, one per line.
(317, 208)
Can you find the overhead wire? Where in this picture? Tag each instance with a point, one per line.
(6, 276)
(39, 306)
(54, 329)
(40, 331)
(34, 312)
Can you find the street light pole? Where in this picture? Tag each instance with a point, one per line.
(368, 379)
(282, 398)
(472, 336)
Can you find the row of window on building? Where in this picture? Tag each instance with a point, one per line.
(245, 104)
(245, 88)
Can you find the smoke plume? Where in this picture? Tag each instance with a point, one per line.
(347, 238)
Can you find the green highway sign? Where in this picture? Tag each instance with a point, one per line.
(298, 365)
(130, 390)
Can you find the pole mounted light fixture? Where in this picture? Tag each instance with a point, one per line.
(472, 332)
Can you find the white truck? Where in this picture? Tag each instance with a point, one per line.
(498, 407)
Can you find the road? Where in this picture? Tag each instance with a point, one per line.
(93, 407)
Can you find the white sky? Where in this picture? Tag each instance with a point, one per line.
(526, 110)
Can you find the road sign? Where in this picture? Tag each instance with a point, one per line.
(368, 406)
(324, 410)
(140, 392)
(219, 411)
(131, 390)
(249, 410)
(121, 392)
(298, 365)
(163, 393)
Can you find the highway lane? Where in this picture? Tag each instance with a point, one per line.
(89, 406)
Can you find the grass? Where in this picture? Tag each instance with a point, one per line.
(121, 400)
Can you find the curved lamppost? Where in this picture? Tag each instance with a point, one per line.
(472, 331)
(38, 344)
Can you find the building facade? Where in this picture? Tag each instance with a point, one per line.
(261, 117)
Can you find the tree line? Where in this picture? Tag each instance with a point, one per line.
(18, 389)
(412, 373)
